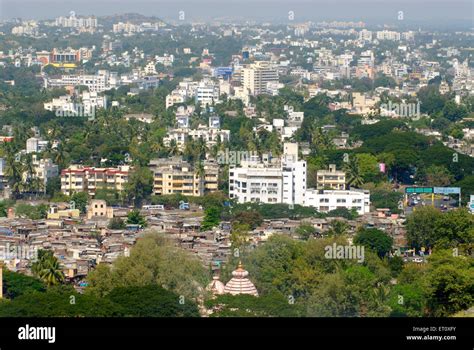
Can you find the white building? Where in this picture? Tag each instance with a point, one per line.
(327, 200)
(185, 90)
(45, 169)
(270, 181)
(388, 35)
(91, 101)
(102, 81)
(207, 93)
(365, 35)
(76, 22)
(210, 134)
(35, 145)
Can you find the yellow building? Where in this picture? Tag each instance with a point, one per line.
(86, 179)
(55, 213)
(173, 175)
(331, 179)
(98, 208)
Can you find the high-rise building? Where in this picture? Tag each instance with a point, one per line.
(256, 76)
(280, 180)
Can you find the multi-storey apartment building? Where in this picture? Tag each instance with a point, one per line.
(327, 200)
(207, 93)
(45, 169)
(210, 134)
(78, 178)
(76, 22)
(271, 180)
(256, 76)
(173, 176)
(331, 179)
(102, 81)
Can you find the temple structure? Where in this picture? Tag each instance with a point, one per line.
(216, 287)
(239, 283)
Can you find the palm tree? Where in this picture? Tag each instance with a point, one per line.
(337, 228)
(321, 140)
(14, 172)
(47, 268)
(29, 170)
(173, 148)
(201, 173)
(354, 178)
(60, 157)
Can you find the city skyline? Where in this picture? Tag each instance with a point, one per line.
(427, 12)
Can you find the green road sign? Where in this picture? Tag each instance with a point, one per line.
(419, 190)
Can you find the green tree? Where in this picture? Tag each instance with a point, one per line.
(16, 284)
(243, 305)
(135, 218)
(116, 224)
(80, 200)
(151, 301)
(420, 226)
(407, 300)
(47, 268)
(305, 231)
(153, 260)
(53, 186)
(337, 228)
(437, 176)
(211, 218)
(368, 166)
(56, 302)
(140, 185)
(374, 239)
(251, 218)
(451, 283)
(454, 227)
(353, 174)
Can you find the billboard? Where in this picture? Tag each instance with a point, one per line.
(225, 72)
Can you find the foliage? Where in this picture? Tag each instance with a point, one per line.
(80, 200)
(153, 260)
(271, 305)
(33, 212)
(151, 301)
(211, 218)
(420, 227)
(47, 268)
(374, 239)
(16, 284)
(135, 218)
(139, 185)
(116, 224)
(305, 231)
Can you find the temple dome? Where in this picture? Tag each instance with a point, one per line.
(240, 284)
(216, 287)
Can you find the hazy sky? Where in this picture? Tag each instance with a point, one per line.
(434, 11)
